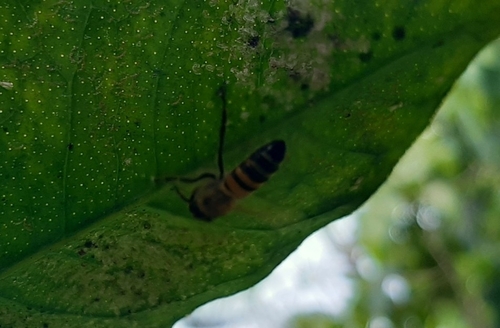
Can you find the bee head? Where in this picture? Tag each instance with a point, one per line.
(195, 210)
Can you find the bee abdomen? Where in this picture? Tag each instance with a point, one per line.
(256, 169)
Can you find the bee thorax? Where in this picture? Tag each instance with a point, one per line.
(210, 201)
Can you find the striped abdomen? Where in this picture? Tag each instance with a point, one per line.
(255, 170)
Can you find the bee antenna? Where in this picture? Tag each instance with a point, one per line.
(221, 92)
(222, 131)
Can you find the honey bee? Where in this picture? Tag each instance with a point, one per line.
(218, 196)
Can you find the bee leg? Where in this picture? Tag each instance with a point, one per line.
(198, 178)
(184, 198)
(187, 180)
(222, 131)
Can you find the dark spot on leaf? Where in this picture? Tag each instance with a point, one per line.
(336, 41)
(299, 24)
(254, 41)
(70, 147)
(438, 44)
(5, 129)
(294, 75)
(347, 115)
(89, 244)
(366, 56)
(304, 86)
(45, 325)
(399, 33)
(97, 299)
(230, 20)
(262, 118)
(376, 36)
(158, 73)
(146, 225)
(82, 252)
(271, 20)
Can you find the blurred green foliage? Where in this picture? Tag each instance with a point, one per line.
(434, 225)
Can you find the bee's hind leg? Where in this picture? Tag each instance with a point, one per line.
(184, 198)
(202, 176)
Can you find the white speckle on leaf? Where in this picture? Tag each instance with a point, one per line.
(244, 115)
(7, 85)
(196, 69)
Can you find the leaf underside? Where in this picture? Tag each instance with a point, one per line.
(106, 97)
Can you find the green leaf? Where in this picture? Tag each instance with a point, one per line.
(98, 99)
